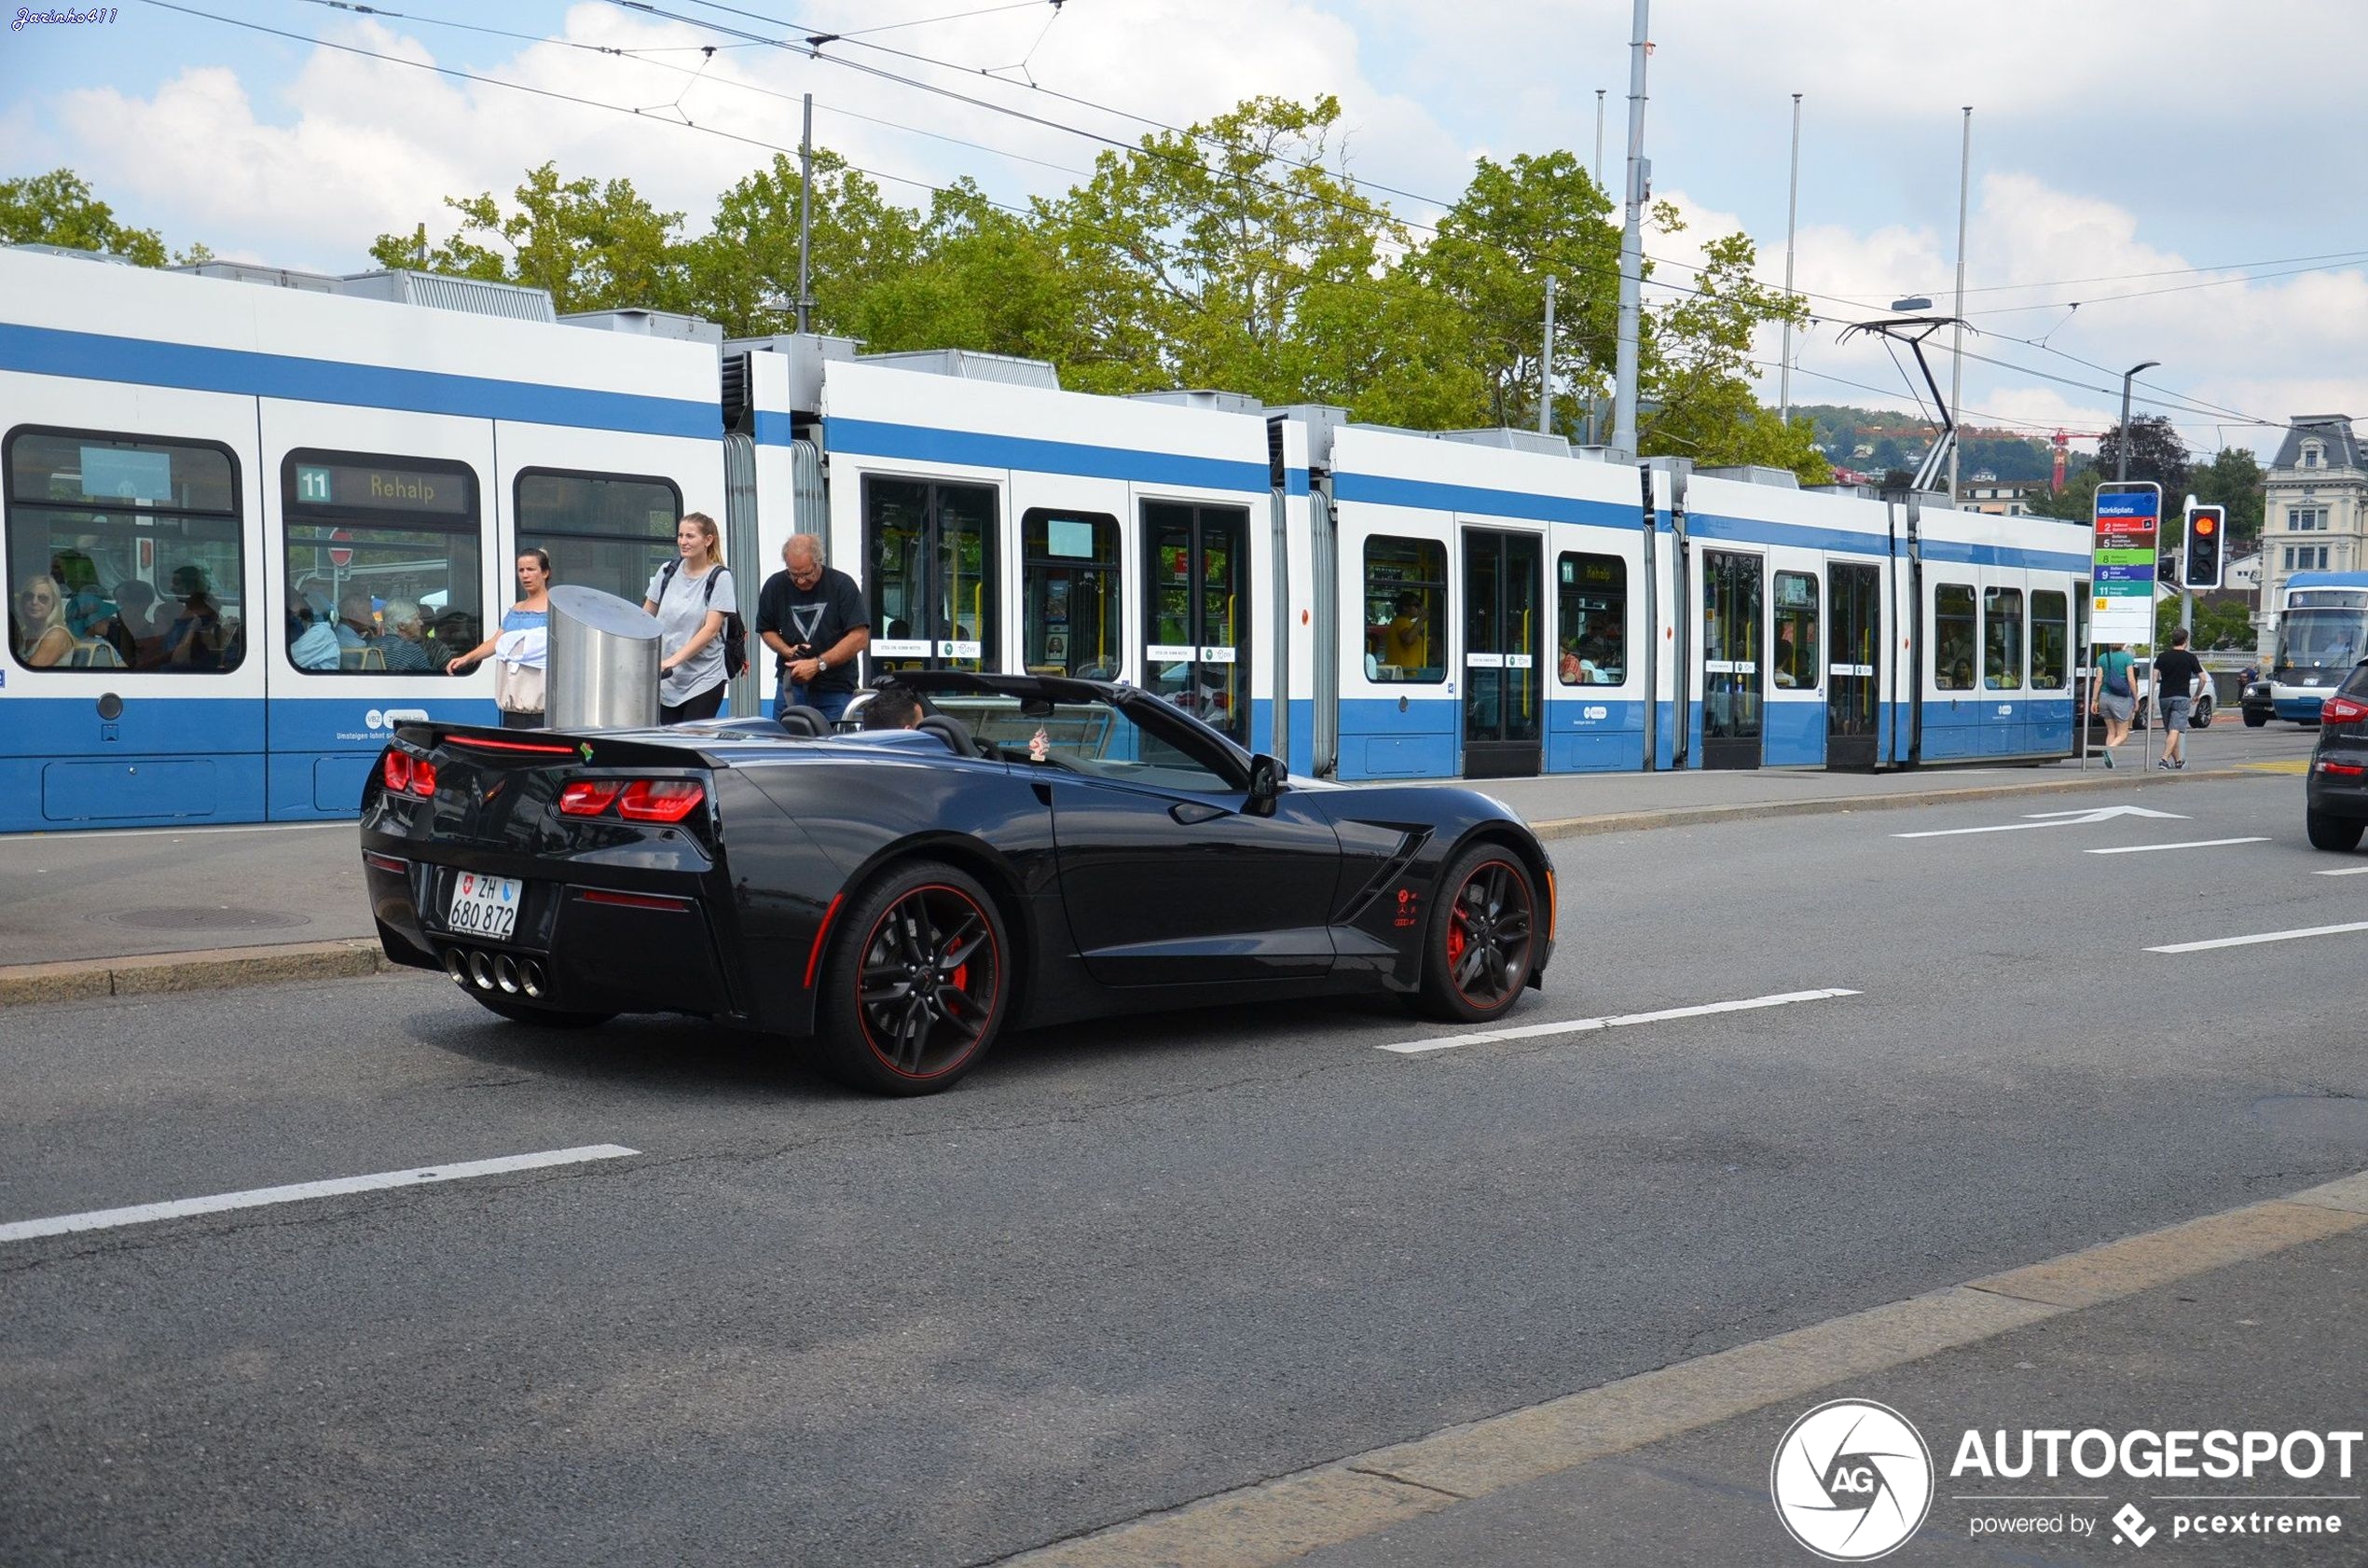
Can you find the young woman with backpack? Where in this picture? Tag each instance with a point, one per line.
(2114, 696)
(692, 597)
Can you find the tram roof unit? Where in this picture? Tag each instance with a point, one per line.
(907, 409)
(2327, 579)
(1378, 465)
(62, 316)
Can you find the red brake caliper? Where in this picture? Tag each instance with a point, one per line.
(1456, 938)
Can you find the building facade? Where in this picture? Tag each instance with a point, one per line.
(2316, 516)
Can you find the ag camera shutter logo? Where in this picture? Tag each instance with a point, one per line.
(1851, 1480)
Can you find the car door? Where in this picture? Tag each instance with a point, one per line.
(1168, 876)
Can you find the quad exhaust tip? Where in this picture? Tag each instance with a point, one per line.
(516, 977)
(505, 972)
(481, 971)
(456, 964)
(530, 979)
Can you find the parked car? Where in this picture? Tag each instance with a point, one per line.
(2335, 795)
(2256, 705)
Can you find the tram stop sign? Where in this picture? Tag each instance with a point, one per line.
(340, 556)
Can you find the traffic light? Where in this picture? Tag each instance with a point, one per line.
(2207, 526)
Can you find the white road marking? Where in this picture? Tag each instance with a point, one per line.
(2345, 871)
(2051, 819)
(142, 1214)
(2190, 844)
(2266, 936)
(1581, 1025)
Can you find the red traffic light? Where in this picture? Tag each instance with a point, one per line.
(2206, 522)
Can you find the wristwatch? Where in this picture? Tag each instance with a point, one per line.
(822, 662)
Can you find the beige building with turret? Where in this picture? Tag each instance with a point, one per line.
(2316, 516)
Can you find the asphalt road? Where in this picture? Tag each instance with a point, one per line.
(1126, 1264)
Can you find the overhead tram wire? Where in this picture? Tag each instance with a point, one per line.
(553, 94)
(636, 55)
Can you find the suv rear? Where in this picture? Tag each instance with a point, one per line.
(2336, 799)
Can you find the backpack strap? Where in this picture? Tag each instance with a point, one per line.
(666, 575)
(719, 569)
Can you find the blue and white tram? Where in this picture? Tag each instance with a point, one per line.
(266, 517)
(2322, 632)
(275, 513)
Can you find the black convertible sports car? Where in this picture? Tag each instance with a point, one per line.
(1038, 850)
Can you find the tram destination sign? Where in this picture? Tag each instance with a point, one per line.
(380, 488)
(2121, 559)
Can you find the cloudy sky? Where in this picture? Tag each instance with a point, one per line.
(2175, 167)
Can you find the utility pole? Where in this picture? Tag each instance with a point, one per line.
(1631, 241)
(1546, 367)
(805, 219)
(1791, 213)
(1957, 349)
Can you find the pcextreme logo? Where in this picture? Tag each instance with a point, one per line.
(1851, 1480)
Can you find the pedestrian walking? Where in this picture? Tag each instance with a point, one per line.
(691, 594)
(519, 649)
(2177, 676)
(812, 616)
(2112, 696)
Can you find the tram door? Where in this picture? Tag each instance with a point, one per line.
(1503, 580)
(1197, 610)
(1732, 679)
(930, 550)
(1853, 633)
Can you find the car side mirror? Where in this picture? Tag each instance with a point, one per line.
(1267, 777)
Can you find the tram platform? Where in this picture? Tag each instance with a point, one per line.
(86, 913)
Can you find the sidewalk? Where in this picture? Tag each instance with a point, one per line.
(2243, 1321)
(93, 913)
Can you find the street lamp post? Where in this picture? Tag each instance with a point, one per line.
(2121, 464)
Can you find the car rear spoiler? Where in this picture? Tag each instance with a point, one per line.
(573, 748)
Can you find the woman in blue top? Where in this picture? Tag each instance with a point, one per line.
(521, 642)
(2112, 696)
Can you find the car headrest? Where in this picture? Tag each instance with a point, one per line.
(809, 722)
(956, 733)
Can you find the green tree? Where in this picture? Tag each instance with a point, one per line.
(594, 246)
(2155, 452)
(1697, 365)
(743, 272)
(978, 277)
(1516, 225)
(59, 208)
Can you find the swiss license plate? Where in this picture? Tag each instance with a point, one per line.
(484, 906)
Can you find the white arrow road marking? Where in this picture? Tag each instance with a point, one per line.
(2266, 936)
(2345, 871)
(1581, 1025)
(2053, 819)
(101, 1219)
(2190, 844)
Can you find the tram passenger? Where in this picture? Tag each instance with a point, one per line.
(521, 644)
(1406, 643)
(404, 637)
(42, 638)
(357, 622)
(313, 642)
(135, 619)
(197, 637)
(690, 596)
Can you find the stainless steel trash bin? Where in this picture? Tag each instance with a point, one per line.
(603, 662)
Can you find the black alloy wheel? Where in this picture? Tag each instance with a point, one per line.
(915, 986)
(1482, 933)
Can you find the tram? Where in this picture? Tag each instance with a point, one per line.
(2322, 631)
(208, 466)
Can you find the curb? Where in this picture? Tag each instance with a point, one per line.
(1823, 805)
(156, 973)
(1270, 1522)
(85, 980)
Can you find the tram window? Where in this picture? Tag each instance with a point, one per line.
(1405, 609)
(2049, 640)
(1593, 594)
(1954, 637)
(2002, 661)
(1069, 593)
(931, 554)
(383, 562)
(124, 552)
(1796, 660)
(608, 531)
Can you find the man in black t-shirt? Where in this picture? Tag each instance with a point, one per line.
(2177, 675)
(814, 620)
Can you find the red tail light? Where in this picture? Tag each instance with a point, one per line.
(660, 800)
(589, 797)
(422, 777)
(2342, 770)
(396, 772)
(2342, 710)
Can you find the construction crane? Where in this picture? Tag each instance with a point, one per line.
(2063, 440)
